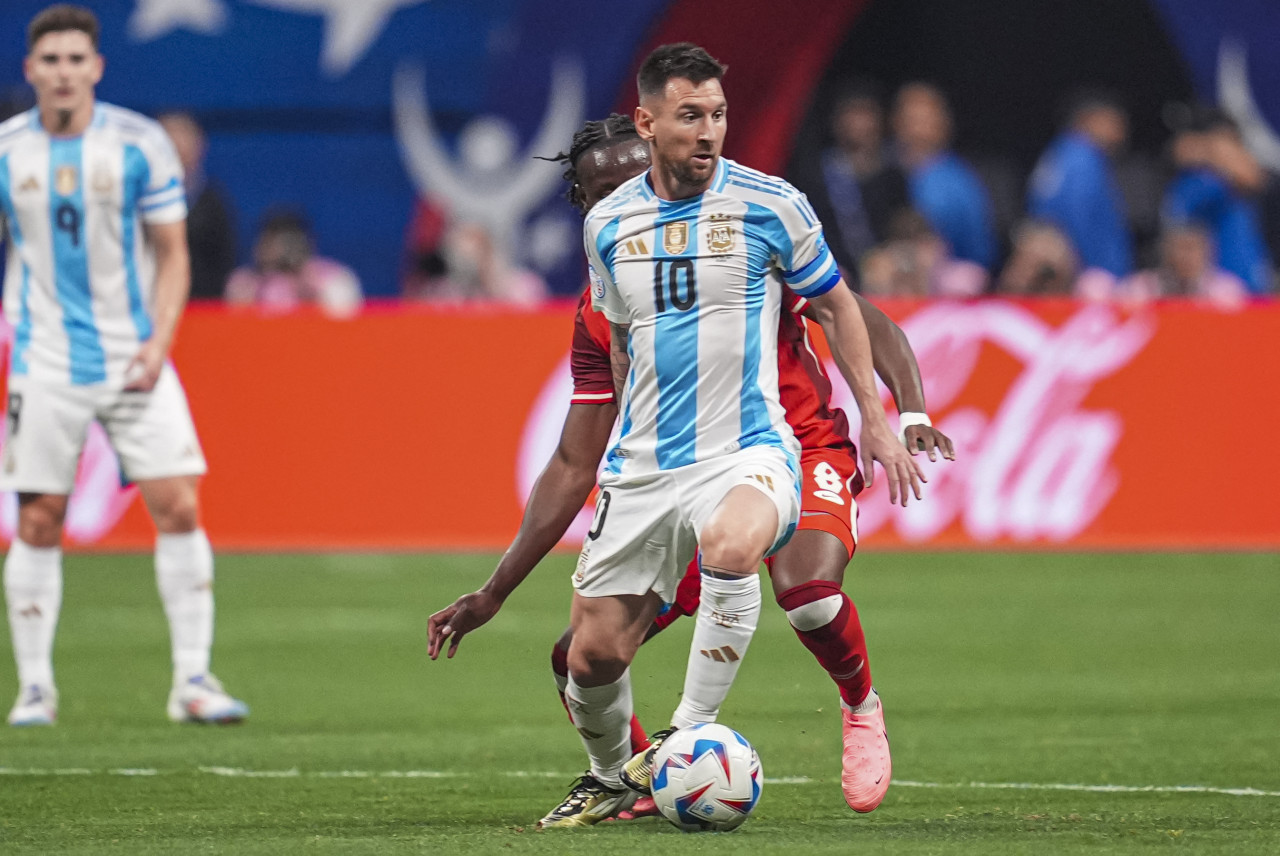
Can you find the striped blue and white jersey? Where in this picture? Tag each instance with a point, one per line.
(79, 273)
(699, 283)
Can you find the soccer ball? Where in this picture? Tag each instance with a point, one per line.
(706, 777)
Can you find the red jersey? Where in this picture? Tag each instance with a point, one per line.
(803, 386)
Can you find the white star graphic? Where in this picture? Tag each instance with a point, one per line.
(351, 26)
(152, 19)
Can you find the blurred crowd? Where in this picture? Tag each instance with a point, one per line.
(905, 215)
(911, 218)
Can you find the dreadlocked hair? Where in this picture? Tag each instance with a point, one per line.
(594, 134)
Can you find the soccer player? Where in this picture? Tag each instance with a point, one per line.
(783, 239)
(809, 569)
(96, 280)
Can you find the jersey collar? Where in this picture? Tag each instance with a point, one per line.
(716, 186)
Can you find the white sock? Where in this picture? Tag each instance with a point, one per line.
(727, 618)
(184, 575)
(33, 591)
(867, 705)
(602, 716)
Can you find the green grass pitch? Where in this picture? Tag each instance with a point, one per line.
(1027, 670)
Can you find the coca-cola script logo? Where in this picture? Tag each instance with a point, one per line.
(98, 500)
(1037, 468)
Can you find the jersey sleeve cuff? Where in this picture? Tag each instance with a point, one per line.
(822, 287)
(586, 397)
(815, 277)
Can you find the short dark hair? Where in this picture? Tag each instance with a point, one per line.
(1081, 102)
(680, 60)
(57, 19)
(594, 134)
(859, 90)
(282, 220)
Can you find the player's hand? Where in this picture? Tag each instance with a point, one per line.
(931, 441)
(144, 369)
(458, 619)
(878, 443)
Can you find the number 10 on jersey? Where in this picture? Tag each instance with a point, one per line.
(674, 280)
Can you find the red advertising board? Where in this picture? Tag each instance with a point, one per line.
(1076, 426)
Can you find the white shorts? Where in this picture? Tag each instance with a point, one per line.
(151, 432)
(646, 529)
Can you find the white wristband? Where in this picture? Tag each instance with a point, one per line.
(906, 420)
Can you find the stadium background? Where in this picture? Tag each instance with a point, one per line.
(1081, 677)
(413, 428)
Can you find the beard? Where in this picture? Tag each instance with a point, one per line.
(683, 171)
(64, 118)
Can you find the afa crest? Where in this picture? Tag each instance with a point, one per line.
(66, 180)
(722, 237)
(675, 237)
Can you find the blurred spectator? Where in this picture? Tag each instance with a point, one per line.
(1074, 184)
(211, 232)
(476, 272)
(286, 273)
(424, 248)
(943, 187)
(859, 187)
(916, 262)
(1216, 185)
(1042, 262)
(1186, 269)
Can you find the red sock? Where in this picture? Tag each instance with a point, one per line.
(560, 665)
(639, 740)
(838, 644)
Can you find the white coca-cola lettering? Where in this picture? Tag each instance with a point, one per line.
(1040, 466)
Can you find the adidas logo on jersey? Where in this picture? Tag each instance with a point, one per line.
(634, 247)
(31, 183)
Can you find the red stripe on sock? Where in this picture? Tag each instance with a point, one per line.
(839, 646)
(560, 665)
(639, 740)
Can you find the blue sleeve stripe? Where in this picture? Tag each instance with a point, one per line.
(807, 270)
(170, 190)
(806, 211)
(757, 175)
(734, 178)
(816, 274)
(822, 287)
(151, 204)
(759, 188)
(813, 274)
(165, 203)
(172, 183)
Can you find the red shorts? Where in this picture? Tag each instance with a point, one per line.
(830, 479)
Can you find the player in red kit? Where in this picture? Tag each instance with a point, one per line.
(807, 573)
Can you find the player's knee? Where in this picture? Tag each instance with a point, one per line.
(40, 520)
(811, 605)
(740, 551)
(597, 664)
(178, 514)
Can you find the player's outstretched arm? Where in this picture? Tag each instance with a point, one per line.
(173, 283)
(557, 497)
(838, 313)
(896, 364)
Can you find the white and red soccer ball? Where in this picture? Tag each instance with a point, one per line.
(706, 778)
